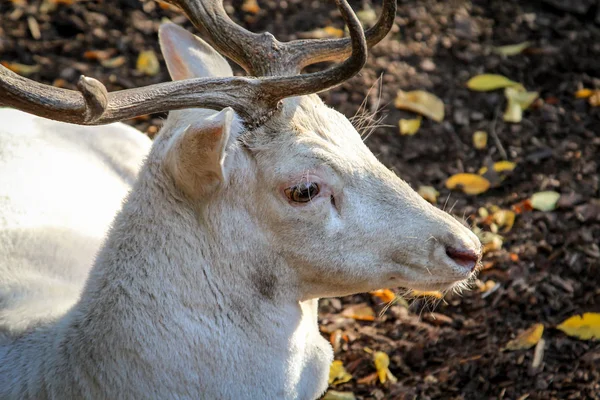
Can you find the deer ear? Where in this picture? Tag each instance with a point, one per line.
(188, 56)
(195, 157)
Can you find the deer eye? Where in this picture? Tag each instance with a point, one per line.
(303, 192)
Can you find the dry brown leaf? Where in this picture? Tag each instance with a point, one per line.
(468, 183)
(99, 54)
(251, 6)
(338, 374)
(385, 295)
(488, 82)
(21, 69)
(526, 339)
(585, 326)
(114, 62)
(421, 102)
(359, 312)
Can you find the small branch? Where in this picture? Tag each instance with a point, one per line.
(496, 138)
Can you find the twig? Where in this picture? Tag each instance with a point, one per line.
(495, 136)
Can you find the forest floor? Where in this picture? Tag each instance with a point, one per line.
(547, 267)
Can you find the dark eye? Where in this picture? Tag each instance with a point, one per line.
(303, 192)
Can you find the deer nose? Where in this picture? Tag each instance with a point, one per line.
(464, 257)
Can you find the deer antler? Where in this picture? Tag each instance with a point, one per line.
(254, 99)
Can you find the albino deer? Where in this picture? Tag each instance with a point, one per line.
(254, 201)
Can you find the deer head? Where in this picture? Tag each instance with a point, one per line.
(262, 155)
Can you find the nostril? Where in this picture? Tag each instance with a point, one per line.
(464, 257)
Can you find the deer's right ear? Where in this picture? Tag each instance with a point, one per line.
(195, 157)
(188, 56)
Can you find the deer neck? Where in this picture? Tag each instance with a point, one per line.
(164, 285)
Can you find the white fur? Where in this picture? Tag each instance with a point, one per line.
(207, 283)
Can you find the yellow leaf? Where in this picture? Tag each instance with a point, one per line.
(338, 374)
(488, 82)
(484, 287)
(385, 295)
(584, 93)
(526, 339)
(335, 395)
(21, 69)
(504, 218)
(594, 99)
(421, 102)
(409, 126)
(491, 241)
(513, 112)
(382, 363)
(323, 33)
(468, 183)
(251, 6)
(334, 32)
(502, 166)
(586, 326)
(428, 193)
(518, 100)
(545, 201)
(512, 49)
(359, 312)
(147, 63)
(113, 62)
(480, 140)
(430, 293)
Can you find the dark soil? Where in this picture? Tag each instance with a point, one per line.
(456, 351)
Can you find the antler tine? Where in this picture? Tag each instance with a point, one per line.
(308, 52)
(262, 54)
(254, 99)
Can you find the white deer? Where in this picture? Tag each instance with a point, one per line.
(254, 201)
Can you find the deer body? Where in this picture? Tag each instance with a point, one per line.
(206, 285)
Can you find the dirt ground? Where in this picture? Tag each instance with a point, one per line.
(547, 269)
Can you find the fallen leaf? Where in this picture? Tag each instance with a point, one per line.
(367, 16)
(335, 395)
(99, 54)
(359, 312)
(545, 201)
(410, 126)
(491, 241)
(514, 257)
(338, 374)
(21, 69)
(147, 63)
(251, 6)
(480, 140)
(522, 206)
(113, 62)
(323, 33)
(488, 82)
(526, 339)
(421, 102)
(385, 295)
(585, 326)
(594, 99)
(584, 93)
(368, 380)
(518, 100)
(512, 49)
(484, 287)
(382, 363)
(504, 219)
(429, 193)
(468, 183)
(427, 293)
(502, 166)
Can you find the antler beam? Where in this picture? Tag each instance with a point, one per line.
(254, 98)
